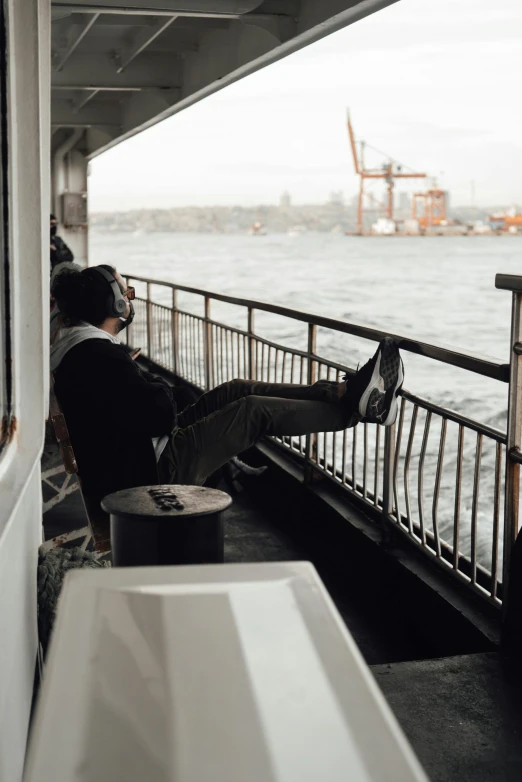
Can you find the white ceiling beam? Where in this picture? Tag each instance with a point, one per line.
(143, 39)
(145, 10)
(78, 87)
(231, 8)
(82, 32)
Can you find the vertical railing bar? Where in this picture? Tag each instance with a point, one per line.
(496, 520)
(187, 346)
(221, 356)
(191, 347)
(343, 462)
(200, 381)
(436, 492)
(201, 350)
(377, 466)
(301, 382)
(354, 460)
(324, 434)
(283, 367)
(207, 346)
(420, 484)
(365, 458)
(407, 462)
(186, 322)
(216, 356)
(388, 472)
(149, 322)
(181, 338)
(175, 326)
(160, 335)
(311, 440)
(334, 443)
(129, 331)
(233, 373)
(194, 362)
(458, 495)
(396, 460)
(474, 508)
(250, 330)
(227, 358)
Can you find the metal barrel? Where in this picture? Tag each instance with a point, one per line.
(166, 525)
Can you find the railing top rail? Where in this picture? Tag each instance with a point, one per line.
(482, 365)
(509, 282)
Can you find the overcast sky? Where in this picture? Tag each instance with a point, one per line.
(437, 85)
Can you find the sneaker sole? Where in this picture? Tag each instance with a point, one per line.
(384, 386)
(380, 402)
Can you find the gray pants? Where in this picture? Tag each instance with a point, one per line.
(232, 417)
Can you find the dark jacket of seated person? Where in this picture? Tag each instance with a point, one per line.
(116, 414)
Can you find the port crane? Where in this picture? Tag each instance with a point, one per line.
(389, 172)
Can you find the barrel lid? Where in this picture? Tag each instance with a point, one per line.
(166, 501)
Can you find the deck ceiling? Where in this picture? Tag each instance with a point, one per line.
(121, 66)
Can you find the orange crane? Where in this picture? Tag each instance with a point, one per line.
(389, 172)
(434, 208)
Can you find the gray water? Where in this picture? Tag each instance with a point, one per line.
(433, 289)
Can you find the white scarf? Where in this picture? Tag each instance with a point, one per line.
(69, 336)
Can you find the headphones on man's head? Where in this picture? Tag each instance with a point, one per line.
(116, 304)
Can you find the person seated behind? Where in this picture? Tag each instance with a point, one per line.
(60, 253)
(124, 423)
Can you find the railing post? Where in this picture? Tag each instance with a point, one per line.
(207, 344)
(311, 439)
(251, 345)
(129, 333)
(149, 322)
(175, 332)
(514, 425)
(388, 471)
(514, 431)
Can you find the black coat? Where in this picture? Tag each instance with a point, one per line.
(62, 253)
(112, 409)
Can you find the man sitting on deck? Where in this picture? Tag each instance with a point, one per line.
(124, 424)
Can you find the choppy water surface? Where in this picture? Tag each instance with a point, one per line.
(439, 289)
(433, 289)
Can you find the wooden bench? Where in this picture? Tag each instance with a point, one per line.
(99, 521)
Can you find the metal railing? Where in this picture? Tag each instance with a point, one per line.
(445, 481)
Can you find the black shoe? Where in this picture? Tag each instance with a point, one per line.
(373, 390)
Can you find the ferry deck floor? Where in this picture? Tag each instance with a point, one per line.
(461, 712)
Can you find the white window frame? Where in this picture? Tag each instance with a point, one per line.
(26, 30)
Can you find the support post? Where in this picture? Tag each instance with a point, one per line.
(175, 332)
(388, 470)
(207, 343)
(514, 427)
(251, 345)
(149, 323)
(311, 439)
(512, 604)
